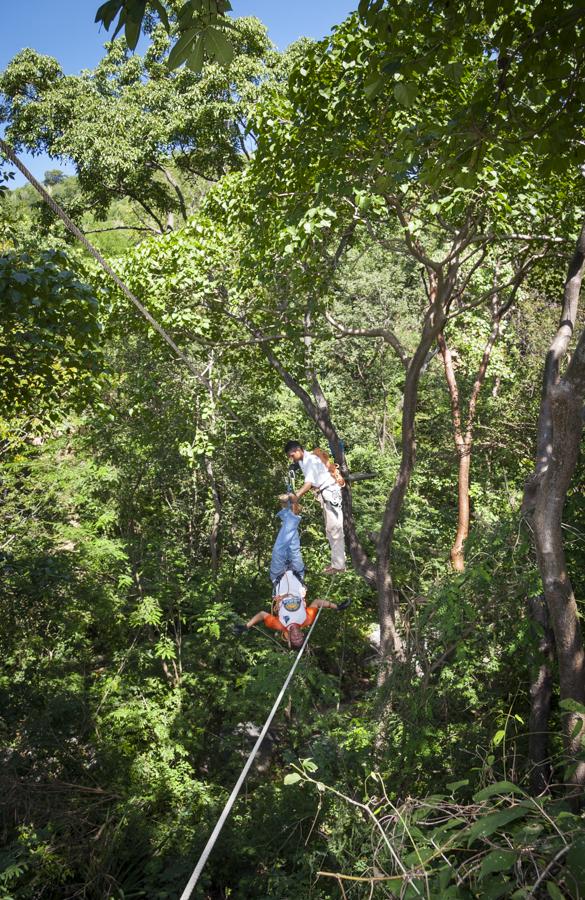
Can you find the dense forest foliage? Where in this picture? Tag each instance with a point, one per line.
(373, 244)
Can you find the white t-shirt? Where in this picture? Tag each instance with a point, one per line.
(315, 471)
(292, 609)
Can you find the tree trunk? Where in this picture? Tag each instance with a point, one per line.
(464, 440)
(216, 518)
(541, 685)
(566, 414)
(457, 554)
(390, 640)
(463, 455)
(559, 434)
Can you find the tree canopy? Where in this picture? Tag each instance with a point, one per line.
(134, 131)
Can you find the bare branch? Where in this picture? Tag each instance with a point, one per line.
(388, 336)
(122, 228)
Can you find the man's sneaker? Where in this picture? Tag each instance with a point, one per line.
(240, 629)
(331, 570)
(343, 605)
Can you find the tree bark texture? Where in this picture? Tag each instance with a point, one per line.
(541, 688)
(559, 434)
(566, 418)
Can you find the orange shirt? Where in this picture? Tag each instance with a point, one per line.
(276, 625)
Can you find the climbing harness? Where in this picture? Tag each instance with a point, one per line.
(289, 584)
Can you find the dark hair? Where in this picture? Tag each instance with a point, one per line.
(292, 445)
(297, 638)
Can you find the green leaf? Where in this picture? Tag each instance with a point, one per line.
(486, 825)
(499, 737)
(392, 66)
(292, 778)
(197, 55)
(159, 8)
(497, 861)
(554, 892)
(496, 887)
(181, 50)
(120, 25)
(218, 46)
(500, 787)
(571, 705)
(419, 856)
(373, 85)
(132, 32)
(381, 183)
(455, 785)
(107, 12)
(405, 92)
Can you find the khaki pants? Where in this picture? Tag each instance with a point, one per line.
(333, 515)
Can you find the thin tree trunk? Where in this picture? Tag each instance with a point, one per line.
(541, 686)
(216, 518)
(559, 434)
(463, 455)
(175, 185)
(457, 554)
(391, 645)
(464, 439)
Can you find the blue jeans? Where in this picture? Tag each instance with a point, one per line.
(286, 553)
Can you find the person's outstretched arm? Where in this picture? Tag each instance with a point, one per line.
(322, 604)
(327, 604)
(296, 495)
(255, 620)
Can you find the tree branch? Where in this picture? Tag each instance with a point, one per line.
(379, 332)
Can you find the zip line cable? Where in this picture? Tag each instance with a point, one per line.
(9, 153)
(232, 797)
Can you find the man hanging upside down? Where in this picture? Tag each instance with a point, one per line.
(290, 612)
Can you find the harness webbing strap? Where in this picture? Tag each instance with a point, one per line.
(230, 802)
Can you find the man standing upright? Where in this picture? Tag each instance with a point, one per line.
(319, 479)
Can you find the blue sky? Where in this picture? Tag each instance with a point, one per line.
(65, 29)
